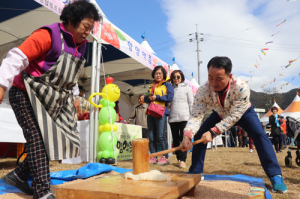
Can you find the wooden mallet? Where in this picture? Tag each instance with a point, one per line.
(140, 154)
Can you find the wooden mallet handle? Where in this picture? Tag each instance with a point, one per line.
(173, 149)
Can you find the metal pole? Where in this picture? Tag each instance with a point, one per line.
(97, 90)
(92, 109)
(198, 55)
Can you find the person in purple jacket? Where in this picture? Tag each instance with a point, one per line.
(41, 76)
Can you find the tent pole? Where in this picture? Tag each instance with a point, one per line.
(97, 98)
(97, 89)
(169, 138)
(169, 133)
(92, 109)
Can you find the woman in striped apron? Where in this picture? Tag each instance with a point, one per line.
(41, 77)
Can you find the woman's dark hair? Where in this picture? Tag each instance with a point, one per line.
(77, 11)
(220, 62)
(274, 108)
(181, 74)
(162, 69)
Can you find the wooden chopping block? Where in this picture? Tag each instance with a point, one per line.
(117, 187)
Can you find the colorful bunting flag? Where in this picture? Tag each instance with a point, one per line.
(285, 66)
(260, 57)
(257, 62)
(293, 79)
(274, 79)
(255, 66)
(275, 33)
(265, 48)
(263, 52)
(269, 42)
(281, 23)
(291, 61)
(281, 74)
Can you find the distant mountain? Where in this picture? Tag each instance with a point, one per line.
(261, 100)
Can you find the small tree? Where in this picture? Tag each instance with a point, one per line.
(269, 96)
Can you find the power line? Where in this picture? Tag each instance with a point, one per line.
(184, 54)
(252, 46)
(261, 24)
(167, 47)
(271, 71)
(179, 30)
(169, 40)
(252, 40)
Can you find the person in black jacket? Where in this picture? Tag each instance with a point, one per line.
(275, 122)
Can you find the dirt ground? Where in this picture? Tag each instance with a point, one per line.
(223, 161)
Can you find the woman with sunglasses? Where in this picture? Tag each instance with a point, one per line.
(181, 108)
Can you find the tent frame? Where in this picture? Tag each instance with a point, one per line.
(95, 88)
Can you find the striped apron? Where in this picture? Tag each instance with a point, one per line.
(51, 98)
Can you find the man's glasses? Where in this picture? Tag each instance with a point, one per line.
(176, 77)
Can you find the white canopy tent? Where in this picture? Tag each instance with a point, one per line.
(124, 59)
(146, 45)
(293, 110)
(175, 67)
(265, 118)
(193, 80)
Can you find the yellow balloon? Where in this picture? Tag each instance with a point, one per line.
(115, 128)
(113, 92)
(101, 128)
(107, 127)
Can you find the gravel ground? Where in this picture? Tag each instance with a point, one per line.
(223, 161)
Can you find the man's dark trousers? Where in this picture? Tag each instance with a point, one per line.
(250, 122)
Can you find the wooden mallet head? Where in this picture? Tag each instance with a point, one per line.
(140, 155)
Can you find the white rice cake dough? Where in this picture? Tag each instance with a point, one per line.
(153, 175)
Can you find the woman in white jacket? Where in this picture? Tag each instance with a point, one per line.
(181, 108)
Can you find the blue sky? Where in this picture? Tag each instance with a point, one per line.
(135, 16)
(237, 29)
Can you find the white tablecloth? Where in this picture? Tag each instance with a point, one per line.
(10, 131)
(83, 130)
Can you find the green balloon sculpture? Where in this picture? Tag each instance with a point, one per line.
(107, 139)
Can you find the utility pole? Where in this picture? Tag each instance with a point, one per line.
(198, 54)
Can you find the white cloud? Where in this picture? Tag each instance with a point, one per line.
(238, 29)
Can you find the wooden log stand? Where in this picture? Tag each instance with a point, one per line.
(117, 187)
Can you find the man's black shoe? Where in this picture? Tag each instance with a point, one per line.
(12, 180)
